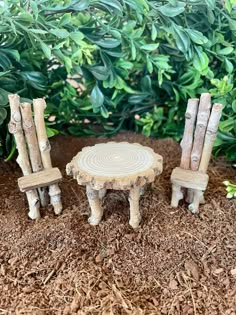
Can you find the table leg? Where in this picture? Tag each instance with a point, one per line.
(135, 216)
(102, 193)
(94, 202)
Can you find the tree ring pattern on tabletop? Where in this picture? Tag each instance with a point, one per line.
(115, 164)
(115, 159)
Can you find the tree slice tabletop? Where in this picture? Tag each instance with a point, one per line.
(115, 165)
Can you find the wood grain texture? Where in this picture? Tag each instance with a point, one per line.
(210, 137)
(33, 147)
(199, 135)
(115, 165)
(40, 179)
(189, 179)
(187, 141)
(15, 127)
(39, 105)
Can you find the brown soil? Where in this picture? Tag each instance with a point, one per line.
(176, 263)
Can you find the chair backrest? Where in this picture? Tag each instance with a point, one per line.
(30, 134)
(201, 125)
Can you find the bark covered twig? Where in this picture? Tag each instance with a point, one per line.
(33, 147)
(45, 148)
(15, 127)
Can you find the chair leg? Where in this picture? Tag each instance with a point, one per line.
(197, 198)
(55, 198)
(177, 195)
(94, 202)
(189, 195)
(141, 191)
(102, 193)
(34, 204)
(202, 200)
(135, 215)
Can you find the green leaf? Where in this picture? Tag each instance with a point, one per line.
(97, 97)
(108, 43)
(104, 111)
(12, 53)
(196, 36)
(181, 38)
(66, 19)
(46, 49)
(77, 37)
(211, 4)
(154, 32)
(99, 72)
(80, 5)
(228, 66)
(171, 10)
(34, 8)
(232, 25)
(51, 132)
(111, 5)
(234, 106)
(200, 60)
(115, 34)
(25, 17)
(37, 31)
(60, 33)
(68, 63)
(150, 47)
(226, 51)
(133, 51)
(3, 97)
(149, 66)
(3, 115)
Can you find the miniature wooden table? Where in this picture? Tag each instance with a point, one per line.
(115, 165)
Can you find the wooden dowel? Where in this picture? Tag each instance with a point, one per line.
(210, 137)
(199, 135)
(187, 141)
(33, 147)
(15, 128)
(45, 148)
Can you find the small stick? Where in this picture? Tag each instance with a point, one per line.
(135, 215)
(95, 205)
(33, 147)
(210, 137)
(45, 148)
(199, 135)
(23, 160)
(187, 141)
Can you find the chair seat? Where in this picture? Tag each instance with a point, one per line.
(189, 179)
(40, 179)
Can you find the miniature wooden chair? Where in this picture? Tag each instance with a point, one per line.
(34, 155)
(196, 152)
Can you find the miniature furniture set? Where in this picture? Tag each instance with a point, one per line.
(112, 165)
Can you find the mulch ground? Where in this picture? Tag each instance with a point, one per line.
(175, 263)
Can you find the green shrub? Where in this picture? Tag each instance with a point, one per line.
(135, 63)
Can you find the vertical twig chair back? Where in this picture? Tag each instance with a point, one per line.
(196, 147)
(34, 155)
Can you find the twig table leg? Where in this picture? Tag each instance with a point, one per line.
(135, 216)
(95, 206)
